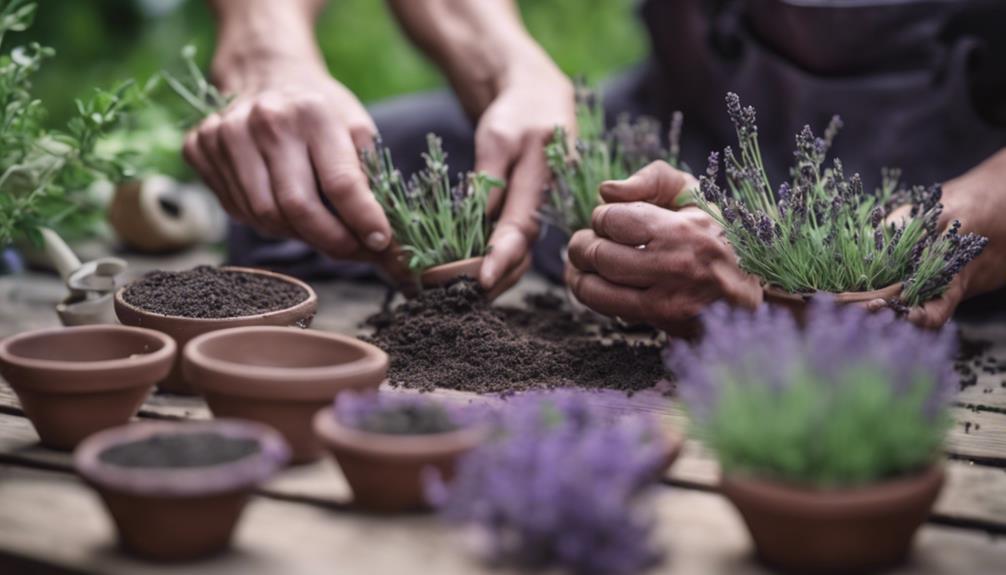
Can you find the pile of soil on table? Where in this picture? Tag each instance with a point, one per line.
(209, 292)
(180, 450)
(452, 338)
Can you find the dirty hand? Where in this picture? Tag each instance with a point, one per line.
(289, 138)
(643, 261)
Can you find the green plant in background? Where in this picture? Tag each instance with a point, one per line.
(434, 222)
(45, 174)
(193, 87)
(600, 155)
(850, 399)
(822, 231)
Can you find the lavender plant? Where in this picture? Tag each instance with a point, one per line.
(852, 398)
(194, 89)
(434, 222)
(599, 156)
(399, 414)
(562, 483)
(822, 231)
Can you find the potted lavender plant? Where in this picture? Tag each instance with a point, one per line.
(830, 436)
(823, 232)
(562, 483)
(383, 443)
(442, 229)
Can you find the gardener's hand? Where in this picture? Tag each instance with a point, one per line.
(644, 262)
(289, 138)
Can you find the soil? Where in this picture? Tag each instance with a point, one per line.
(208, 292)
(452, 338)
(409, 420)
(180, 450)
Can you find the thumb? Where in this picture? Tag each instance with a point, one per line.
(658, 183)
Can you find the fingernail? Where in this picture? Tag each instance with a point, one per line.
(377, 241)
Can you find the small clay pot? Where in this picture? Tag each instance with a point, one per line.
(183, 329)
(178, 513)
(834, 531)
(444, 274)
(385, 471)
(75, 381)
(281, 376)
(797, 303)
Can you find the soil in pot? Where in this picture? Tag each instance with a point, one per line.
(453, 338)
(176, 490)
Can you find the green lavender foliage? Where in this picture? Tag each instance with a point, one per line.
(44, 174)
(192, 86)
(600, 155)
(821, 231)
(434, 222)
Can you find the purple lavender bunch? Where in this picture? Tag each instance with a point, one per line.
(562, 483)
(851, 398)
(400, 413)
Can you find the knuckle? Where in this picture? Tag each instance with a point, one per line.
(269, 118)
(340, 183)
(268, 213)
(295, 206)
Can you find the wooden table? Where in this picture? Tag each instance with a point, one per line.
(300, 522)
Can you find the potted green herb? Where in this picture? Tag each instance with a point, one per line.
(442, 229)
(385, 442)
(823, 232)
(829, 436)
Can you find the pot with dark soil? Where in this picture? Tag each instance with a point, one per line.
(75, 381)
(176, 490)
(280, 376)
(830, 435)
(190, 303)
(385, 442)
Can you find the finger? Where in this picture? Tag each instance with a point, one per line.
(614, 262)
(605, 297)
(337, 167)
(518, 225)
(212, 149)
(933, 314)
(494, 156)
(193, 154)
(511, 278)
(658, 183)
(248, 168)
(631, 224)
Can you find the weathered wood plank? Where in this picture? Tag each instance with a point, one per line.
(52, 518)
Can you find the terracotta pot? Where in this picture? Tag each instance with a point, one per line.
(797, 303)
(183, 329)
(75, 381)
(385, 471)
(178, 513)
(281, 376)
(834, 531)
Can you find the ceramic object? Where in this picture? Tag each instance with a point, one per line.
(840, 531)
(797, 303)
(178, 513)
(281, 376)
(158, 214)
(439, 276)
(183, 329)
(75, 381)
(385, 471)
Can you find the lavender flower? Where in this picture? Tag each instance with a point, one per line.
(563, 483)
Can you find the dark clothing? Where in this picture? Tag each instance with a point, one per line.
(920, 84)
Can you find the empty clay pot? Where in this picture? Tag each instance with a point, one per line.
(75, 381)
(385, 471)
(183, 511)
(281, 376)
(183, 329)
(797, 303)
(834, 531)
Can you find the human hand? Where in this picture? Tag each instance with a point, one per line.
(643, 262)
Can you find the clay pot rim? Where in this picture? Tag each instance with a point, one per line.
(374, 360)
(336, 435)
(131, 362)
(885, 292)
(182, 482)
(310, 301)
(455, 269)
(835, 502)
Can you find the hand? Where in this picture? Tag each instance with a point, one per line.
(510, 144)
(290, 136)
(641, 261)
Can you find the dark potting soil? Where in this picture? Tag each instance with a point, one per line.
(180, 450)
(451, 338)
(409, 420)
(209, 292)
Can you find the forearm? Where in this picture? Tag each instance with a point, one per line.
(978, 200)
(254, 35)
(481, 45)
